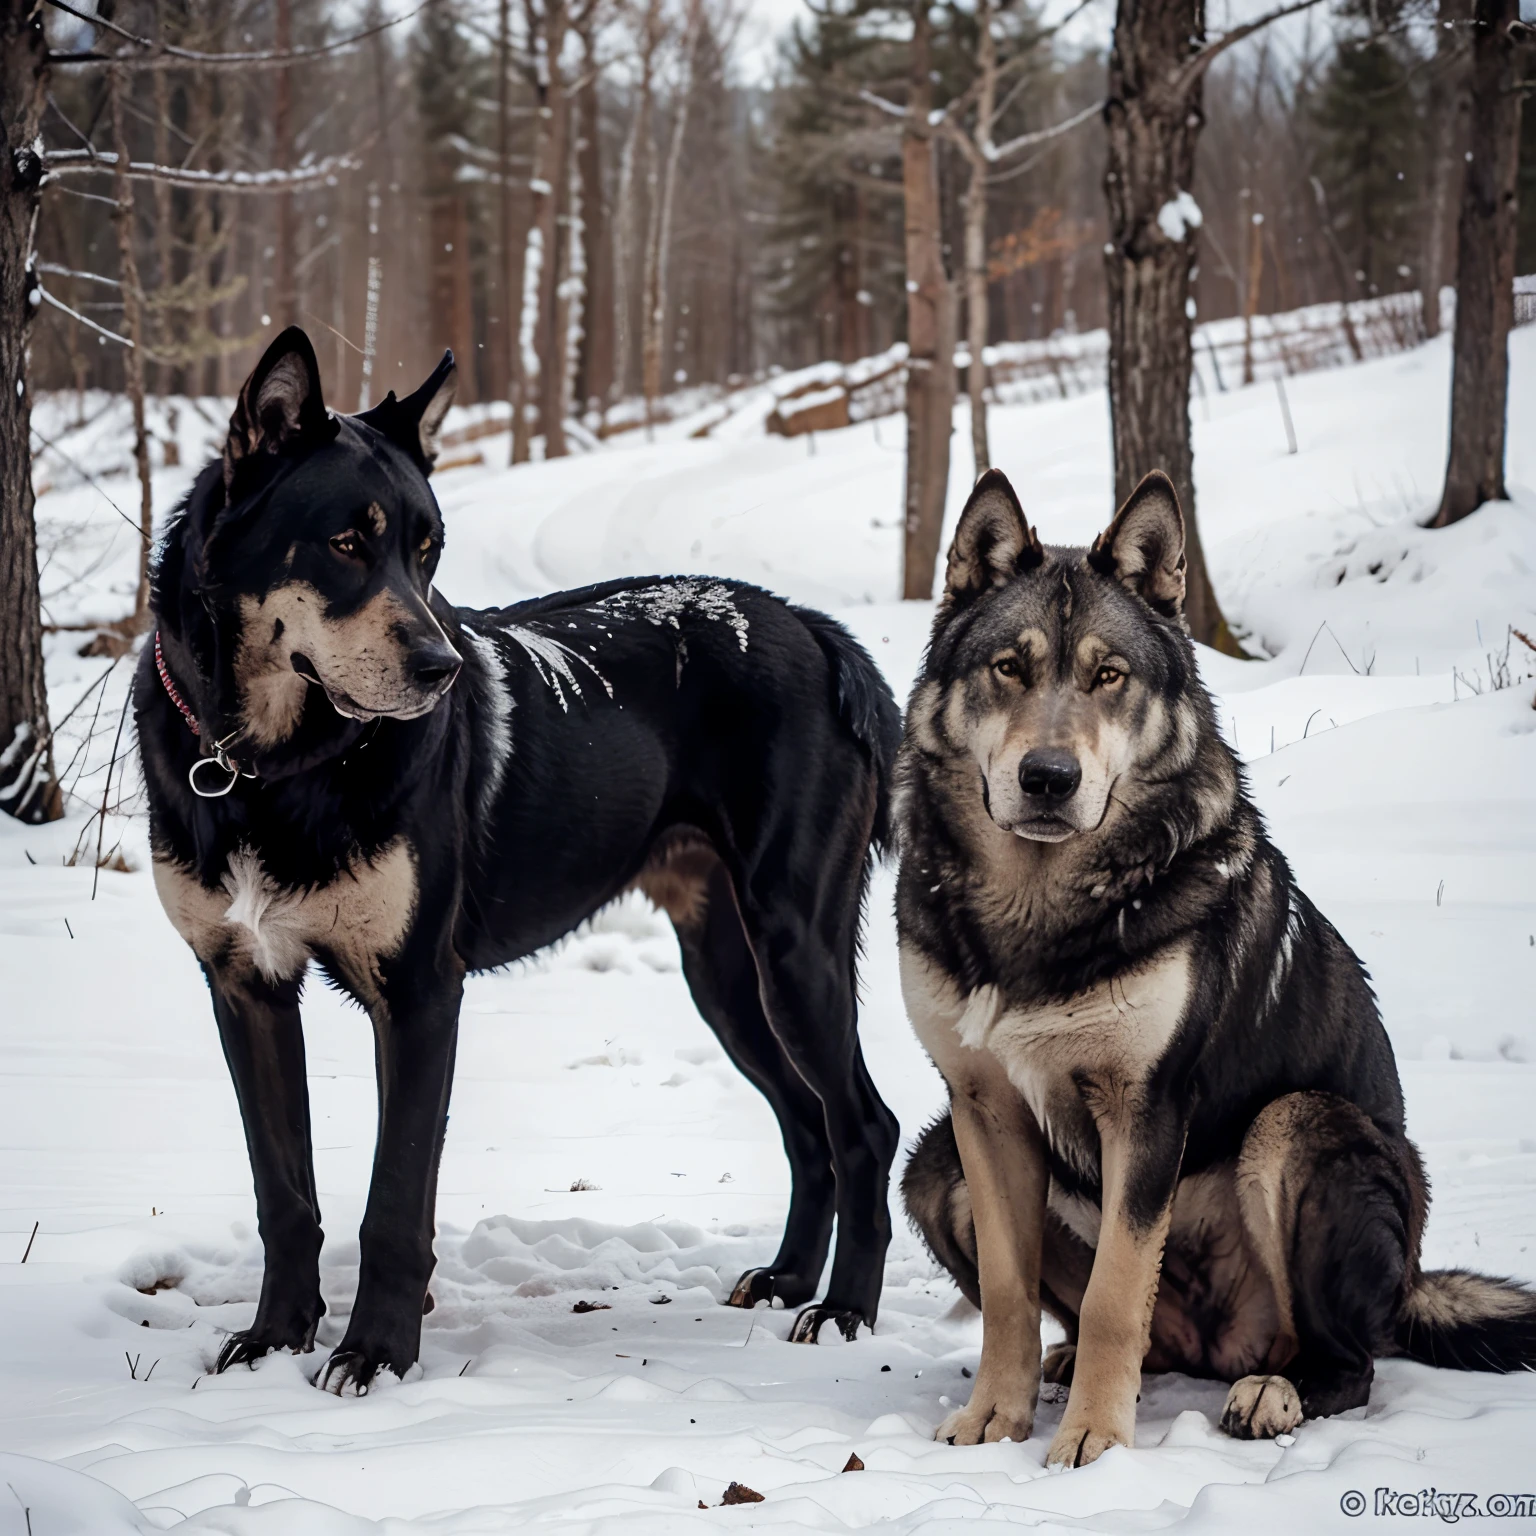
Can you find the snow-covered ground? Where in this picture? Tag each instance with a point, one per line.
(1397, 772)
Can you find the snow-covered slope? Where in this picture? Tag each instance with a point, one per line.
(1399, 779)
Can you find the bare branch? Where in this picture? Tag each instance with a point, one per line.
(54, 270)
(62, 162)
(100, 330)
(873, 100)
(157, 55)
(1040, 135)
(1203, 60)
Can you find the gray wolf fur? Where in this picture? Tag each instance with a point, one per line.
(1175, 1119)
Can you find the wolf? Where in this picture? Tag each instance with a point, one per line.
(1175, 1120)
(344, 767)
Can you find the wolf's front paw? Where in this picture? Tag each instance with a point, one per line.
(1077, 1443)
(1261, 1407)
(990, 1417)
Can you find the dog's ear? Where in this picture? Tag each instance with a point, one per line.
(413, 423)
(280, 408)
(993, 542)
(1143, 548)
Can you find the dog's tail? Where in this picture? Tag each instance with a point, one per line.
(933, 1189)
(1467, 1322)
(866, 706)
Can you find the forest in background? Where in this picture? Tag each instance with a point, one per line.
(521, 179)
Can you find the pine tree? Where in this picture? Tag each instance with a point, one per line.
(1369, 160)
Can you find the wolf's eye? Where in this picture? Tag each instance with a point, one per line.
(1107, 677)
(1006, 666)
(348, 545)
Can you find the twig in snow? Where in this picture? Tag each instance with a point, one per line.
(30, 1241)
(106, 790)
(26, 1512)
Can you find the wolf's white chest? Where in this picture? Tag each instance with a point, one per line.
(1112, 1034)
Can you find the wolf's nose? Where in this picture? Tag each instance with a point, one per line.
(1050, 772)
(434, 664)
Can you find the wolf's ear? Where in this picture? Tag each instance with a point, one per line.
(280, 407)
(1143, 548)
(993, 543)
(413, 423)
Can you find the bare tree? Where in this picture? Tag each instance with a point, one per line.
(29, 787)
(1157, 66)
(1447, 103)
(653, 329)
(133, 359)
(1485, 264)
(639, 146)
(930, 324)
(596, 365)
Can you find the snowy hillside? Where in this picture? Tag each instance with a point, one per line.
(1390, 740)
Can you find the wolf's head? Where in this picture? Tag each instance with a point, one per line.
(1059, 681)
(311, 545)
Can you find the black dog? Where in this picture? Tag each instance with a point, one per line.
(1175, 1118)
(342, 766)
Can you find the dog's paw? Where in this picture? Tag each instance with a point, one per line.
(810, 1321)
(1261, 1407)
(1056, 1368)
(349, 1373)
(251, 1344)
(787, 1288)
(988, 1418)
(1078, 1444)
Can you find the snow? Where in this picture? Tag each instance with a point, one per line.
(602, 1149)
(1179, 215)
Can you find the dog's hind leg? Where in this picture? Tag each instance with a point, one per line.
(805, 965)
(722, 976)
(1328, 1202)
(263, 1042)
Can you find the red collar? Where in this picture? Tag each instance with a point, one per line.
(170, 688)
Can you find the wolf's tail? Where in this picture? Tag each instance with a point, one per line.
(1466, 1322)
(866, 706)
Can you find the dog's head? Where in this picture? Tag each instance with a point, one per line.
(314, 544)
(1059, 676)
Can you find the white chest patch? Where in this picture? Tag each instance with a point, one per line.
(357, 920)
(1114, 1033)
(272, 916)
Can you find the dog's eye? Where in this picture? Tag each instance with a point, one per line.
(425, 547)
(348, 545)
(1107, 677)
(1006, 666)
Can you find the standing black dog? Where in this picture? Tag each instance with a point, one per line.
(1175, 1118)
(320, 788)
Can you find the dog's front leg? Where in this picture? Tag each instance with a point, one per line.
(1003, 1155)
(416, 1022)
(263, 1042)
(1141, 1148)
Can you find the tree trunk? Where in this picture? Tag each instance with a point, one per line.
(976, 311)
(655, 331)
(1485, 269)
(29, 788)
(133, 354)
(514, 250)
(1153, 118)
(975, 210)
(596, 371)
(637, 142)
(548, 205)
(285, 260)
(1446, 104)
(930, 327)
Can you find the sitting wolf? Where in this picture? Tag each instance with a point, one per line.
(1175, 1118)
